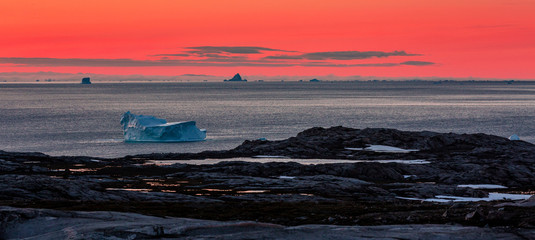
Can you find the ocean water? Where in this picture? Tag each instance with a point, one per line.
(75, 119)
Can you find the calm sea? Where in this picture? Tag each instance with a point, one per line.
(75, 119)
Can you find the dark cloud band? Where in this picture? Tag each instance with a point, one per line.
(237, 50)
(341, 55)
(417, 63)
(352, 55)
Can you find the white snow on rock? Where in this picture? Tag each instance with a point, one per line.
(383, 148)
(415, 161)
(514, 137)
(481, 186)
(142, 128)
(286, 177)
(492, 197)
(269, 156)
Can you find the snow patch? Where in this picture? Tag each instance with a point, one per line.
(492, 197)
(383, 148)
(482, 186)
(286, 177)
(269, 156)
(416, 161)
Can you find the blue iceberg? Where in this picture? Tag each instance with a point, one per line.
(514, 137)
(141, 128)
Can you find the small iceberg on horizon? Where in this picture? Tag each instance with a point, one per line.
(145, 128)
(514, 137)
(86, 80)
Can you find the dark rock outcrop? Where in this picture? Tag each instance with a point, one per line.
(366, 190)
(328, 143)
(455, 158)
(236, 78)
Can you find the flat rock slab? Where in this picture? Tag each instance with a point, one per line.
(43, 224)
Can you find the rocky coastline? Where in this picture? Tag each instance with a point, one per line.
(419, 180)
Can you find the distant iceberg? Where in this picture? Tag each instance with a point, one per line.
(141, 128)
(86, 80)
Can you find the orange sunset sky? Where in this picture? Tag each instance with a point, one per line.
(390, 38)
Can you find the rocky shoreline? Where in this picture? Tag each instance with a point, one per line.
(377, 186)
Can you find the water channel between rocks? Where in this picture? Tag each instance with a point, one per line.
(266, 159)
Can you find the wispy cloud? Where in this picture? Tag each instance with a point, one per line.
(239, 56)
(220, 62)
(342, 55)
(351, 65)
(237, 50)
(352, 55)
(284, 57)
(88, 62)
(171, 55)
(494, 26)
(417, 63)
(85, 62)
(195, 75)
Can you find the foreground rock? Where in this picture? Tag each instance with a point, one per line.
(50, 224)
(332, 143)
(369, 192)
(456, 158)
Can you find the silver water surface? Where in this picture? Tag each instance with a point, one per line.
(75, 119)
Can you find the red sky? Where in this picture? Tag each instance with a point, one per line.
(391, 38)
